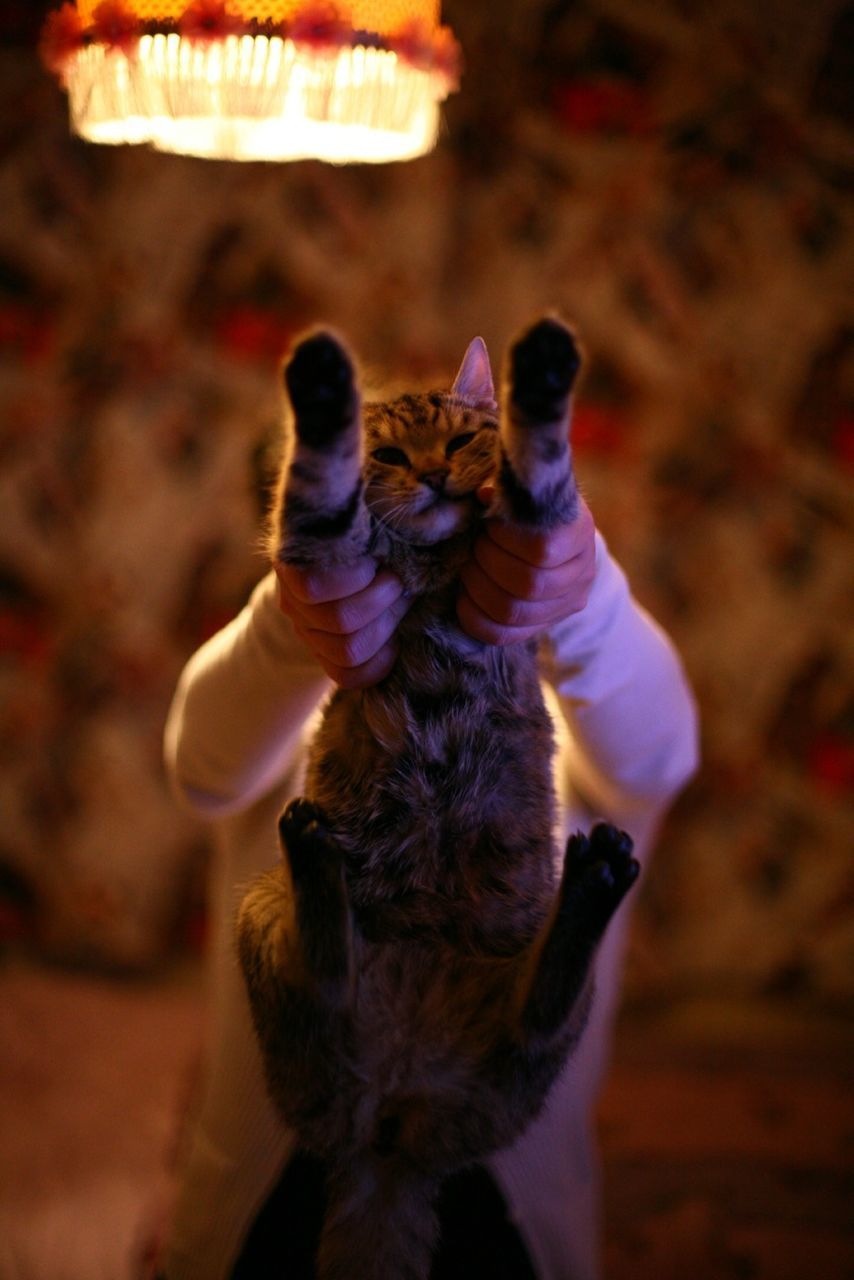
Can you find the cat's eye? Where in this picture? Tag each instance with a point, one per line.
(459, 442)
(390, 456)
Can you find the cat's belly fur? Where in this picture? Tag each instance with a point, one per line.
(432, 1036)
(441, 797)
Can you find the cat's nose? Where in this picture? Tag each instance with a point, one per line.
(434, 479)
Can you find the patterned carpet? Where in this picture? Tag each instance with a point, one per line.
(728, 1134)
(726, 1127)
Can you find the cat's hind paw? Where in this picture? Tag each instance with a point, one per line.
(304, 834)
(299, 815)
(323, 913)
(543, 366)
(598, 872)
(321, 384)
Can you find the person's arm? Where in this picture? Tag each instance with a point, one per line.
(624, 695)
(239, 708)
(237, 717)
(620, 684)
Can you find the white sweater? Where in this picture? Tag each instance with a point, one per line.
(235, 746)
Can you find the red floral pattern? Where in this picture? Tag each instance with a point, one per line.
(208, 20)
(115, 25)
(447, 56)
(61, 37)
(604, 106)
(319, 25)
(414, 43)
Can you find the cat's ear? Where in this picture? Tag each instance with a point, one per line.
(474, 378)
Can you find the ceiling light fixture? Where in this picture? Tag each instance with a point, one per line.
(256, 79)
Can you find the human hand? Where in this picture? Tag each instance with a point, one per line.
(347, 616)
(517, 583)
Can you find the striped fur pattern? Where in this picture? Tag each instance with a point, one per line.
(418, 965)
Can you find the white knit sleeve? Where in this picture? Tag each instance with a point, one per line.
(238, 714)
(624, 696)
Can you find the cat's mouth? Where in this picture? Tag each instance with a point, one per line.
(443, 515)
(441, 498)
(444, 504)
(435, 516)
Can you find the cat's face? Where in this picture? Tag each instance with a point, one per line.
(425, 458)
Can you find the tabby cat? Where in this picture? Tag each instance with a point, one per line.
(418, 970)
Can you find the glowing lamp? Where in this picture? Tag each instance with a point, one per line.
(256, 79)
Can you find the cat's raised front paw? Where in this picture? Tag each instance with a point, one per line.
(544, 363)
(321, 384)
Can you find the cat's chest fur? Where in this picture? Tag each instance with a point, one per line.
(425, 570)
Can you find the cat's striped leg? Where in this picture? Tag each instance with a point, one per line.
(294, 939)
(553, 990)
(323, 914)
(320, 513)
(598, 872)
(536, 482)
(297, 930)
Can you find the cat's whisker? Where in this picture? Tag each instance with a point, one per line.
(393, 516)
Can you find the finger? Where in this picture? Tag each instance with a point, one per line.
(354, 650)
(369, 673)
(318, 586)
(532, 547)
(510, 610)
(545, 549)
(353, 612)
(519, 578)
(481, 627)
